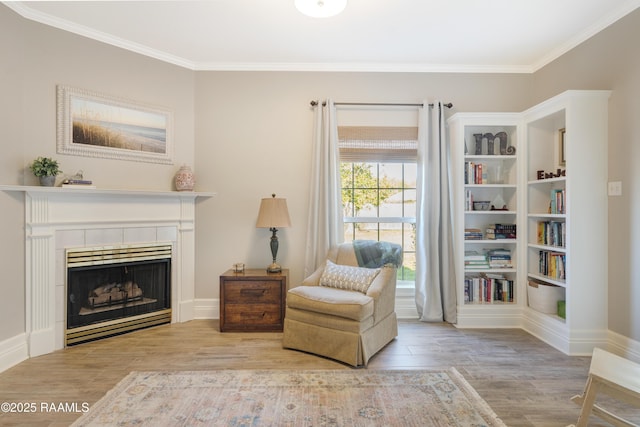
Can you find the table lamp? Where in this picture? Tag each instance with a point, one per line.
(273, 214)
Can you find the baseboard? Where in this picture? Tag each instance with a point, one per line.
(623, 346)
(13, 351)
(406, 304)
(207, 308)
(500, 316)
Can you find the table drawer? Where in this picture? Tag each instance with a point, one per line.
(250, 292)
(252, 315)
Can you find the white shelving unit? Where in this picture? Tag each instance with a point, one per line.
(483, 302)
(560, 147)
(566, 139)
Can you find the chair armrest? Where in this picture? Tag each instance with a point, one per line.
(383, 291)
(314, 278)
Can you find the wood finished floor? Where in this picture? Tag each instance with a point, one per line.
(525, 381)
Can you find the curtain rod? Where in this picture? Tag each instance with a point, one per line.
(314, 103)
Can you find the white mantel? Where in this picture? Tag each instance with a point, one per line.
(58, 218)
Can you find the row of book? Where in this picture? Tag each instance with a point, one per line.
(552, 264)
(501, 231)
(552, 233)
(557, 205)
(475, 173)
(493, 258)
(488, 288)
(491, 232)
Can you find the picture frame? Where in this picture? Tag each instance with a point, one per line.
(92, 124)
(561, 152)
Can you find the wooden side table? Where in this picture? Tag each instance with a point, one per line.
(252, 301)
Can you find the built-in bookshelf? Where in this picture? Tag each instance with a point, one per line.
(485, 179)
(547, 209)
(566, 224)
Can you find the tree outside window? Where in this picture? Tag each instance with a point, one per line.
(379, 202)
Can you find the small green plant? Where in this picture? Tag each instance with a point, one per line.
(44, 166)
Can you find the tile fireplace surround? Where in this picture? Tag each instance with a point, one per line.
(59, 218)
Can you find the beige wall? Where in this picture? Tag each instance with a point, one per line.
(611, 60)
(248, 134)
(253, 138)
(35, 58)
(11, 205)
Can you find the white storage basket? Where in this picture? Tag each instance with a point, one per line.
(544, 298)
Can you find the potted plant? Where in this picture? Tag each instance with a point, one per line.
(46, 170)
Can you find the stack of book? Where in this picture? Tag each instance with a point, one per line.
(475, 261)
(78, 183)
(472, 234)
(501, 231)
(499, 258)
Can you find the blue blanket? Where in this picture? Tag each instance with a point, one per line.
(373, 254)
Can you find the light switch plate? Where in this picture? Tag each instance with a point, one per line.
(615, 188)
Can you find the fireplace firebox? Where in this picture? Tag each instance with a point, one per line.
(117, 289)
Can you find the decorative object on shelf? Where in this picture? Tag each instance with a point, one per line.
(97, 125)
(273, 214)
(320, 8)
(501, 138)
(185, 180)
(561, 152)
(238, 267)
(481, 205)
(46, 169)
(546, 175)
(78, 181)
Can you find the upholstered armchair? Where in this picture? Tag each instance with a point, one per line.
(344, 311)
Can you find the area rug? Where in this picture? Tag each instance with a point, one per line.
(292, 398)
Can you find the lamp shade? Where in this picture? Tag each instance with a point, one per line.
(273, 213)
(320, 8)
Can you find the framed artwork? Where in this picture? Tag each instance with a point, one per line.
(97, 125)
(561, 154)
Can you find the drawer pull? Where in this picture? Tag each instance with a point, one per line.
(253, 292)
(251, 316)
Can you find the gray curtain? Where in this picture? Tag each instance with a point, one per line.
(435, 274)
(325, 223)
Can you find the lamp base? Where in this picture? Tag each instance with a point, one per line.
(274, 268)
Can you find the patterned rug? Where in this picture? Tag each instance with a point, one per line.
(292, 398)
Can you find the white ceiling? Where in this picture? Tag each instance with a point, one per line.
(370, 35)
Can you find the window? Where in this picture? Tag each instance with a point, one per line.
(378, 171)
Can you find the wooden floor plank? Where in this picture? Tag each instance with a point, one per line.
(525, 381)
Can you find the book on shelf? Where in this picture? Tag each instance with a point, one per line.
(71, 181)
(78, 186)
(552, 233)
(475, 260)
(77, 183)
(552, 264)
(557, 204)
(488, 288)
(475, 173)
(501, 231)
(499, 258)
(472, 234)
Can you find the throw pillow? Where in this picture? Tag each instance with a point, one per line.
(348, 277)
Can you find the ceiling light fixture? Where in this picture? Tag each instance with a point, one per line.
(320, 8)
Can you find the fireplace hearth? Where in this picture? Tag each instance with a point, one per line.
(117, 289)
